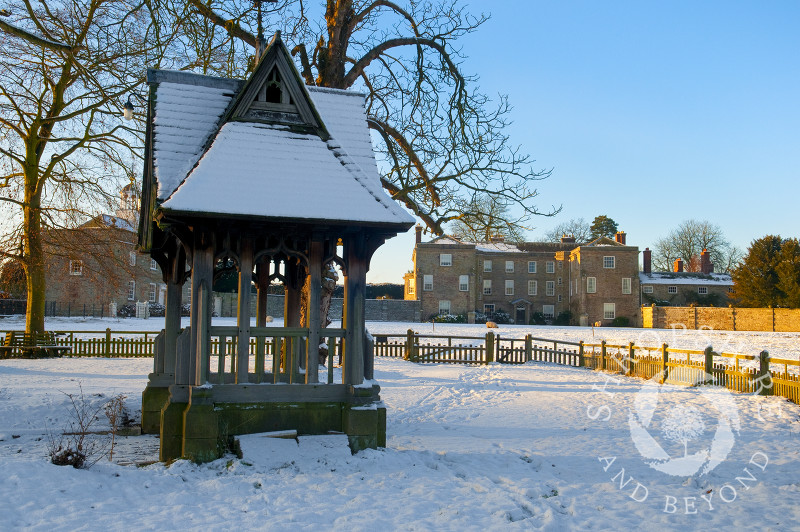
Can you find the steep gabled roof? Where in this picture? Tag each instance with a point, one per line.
(225, 147)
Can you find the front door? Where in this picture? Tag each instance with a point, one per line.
(520, 316)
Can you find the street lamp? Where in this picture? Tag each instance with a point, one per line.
(127, 109)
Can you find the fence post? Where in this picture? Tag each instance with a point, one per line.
(764, 381)
(581, 361)
(631, 359)
(108, 341)
(409, 344)
(603, 355)
(709, 365)
(528, 348)
(489, 347)
(664, 360)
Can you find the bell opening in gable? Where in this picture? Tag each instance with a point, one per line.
(273, 91)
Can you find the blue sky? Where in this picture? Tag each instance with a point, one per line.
(648, 112)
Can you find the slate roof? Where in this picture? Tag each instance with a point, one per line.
(263, 170)
(686, 278)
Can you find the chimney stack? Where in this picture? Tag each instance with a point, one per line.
(647, 257)
(418, 228)
(678, 266)
(620, 237)
(705, 262)
(567, 239)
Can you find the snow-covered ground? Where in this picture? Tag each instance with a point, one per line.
(469, 448)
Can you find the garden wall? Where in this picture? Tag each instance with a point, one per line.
(723, 319)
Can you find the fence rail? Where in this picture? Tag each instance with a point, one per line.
(762, 375)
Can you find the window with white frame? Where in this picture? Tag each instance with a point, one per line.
(444, 307)
(549, 311)
(609, 311)
(487, 287)
(609, 262)
(702, 290)
(531, 266)
(488, 308)
(730, 289)
(672, 289)
(550, 288)
(427, 283)
(559, 298)
(152, 294)
(153, 265)
(509, 287)
(76, 267)
(509, 266)
(132, 258)
(559, 281)
(463, 283)
(550, 267)
(533, 287)
(591, 285)
(412, 286)
(487, 265)
(131, 290)
(647, 289)
(445, 259)
(626, 285)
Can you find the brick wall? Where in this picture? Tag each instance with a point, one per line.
(724, 319)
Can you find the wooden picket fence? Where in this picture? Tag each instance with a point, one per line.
(760, 374)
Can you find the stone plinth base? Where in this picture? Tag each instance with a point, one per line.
(154, 397)
(198, 423)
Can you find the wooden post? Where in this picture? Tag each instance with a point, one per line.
(202, 278)
(262, 285)
(664, 361)
(314, 315)
(764, 380)
(172, 325)
(581, 361)
(243, 309)
(708, 366)
(603, 355)
(409, 355)
(108, 342)
(354, 303)
(631, 359)
(489, 347)
(528, 348)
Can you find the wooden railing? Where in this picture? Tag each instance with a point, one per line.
(275, 354)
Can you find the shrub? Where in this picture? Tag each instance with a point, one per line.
(537, 318)
(621, 321)
(449, 318)
(563, 318)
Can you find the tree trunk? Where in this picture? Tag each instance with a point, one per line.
(34, 263)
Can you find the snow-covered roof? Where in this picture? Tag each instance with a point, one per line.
(185, 117)
(286, 175)
(497, 247)
(256, 168)
(684, 278)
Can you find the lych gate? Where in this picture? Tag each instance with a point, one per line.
(278, 181)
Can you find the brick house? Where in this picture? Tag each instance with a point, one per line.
(453, 277)
(97, 264)
(681, 288)
(604, 277)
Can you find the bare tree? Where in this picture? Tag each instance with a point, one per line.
(485, 218)
(443, 142)
(578, 228)
(65, 70)
(688, 241)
